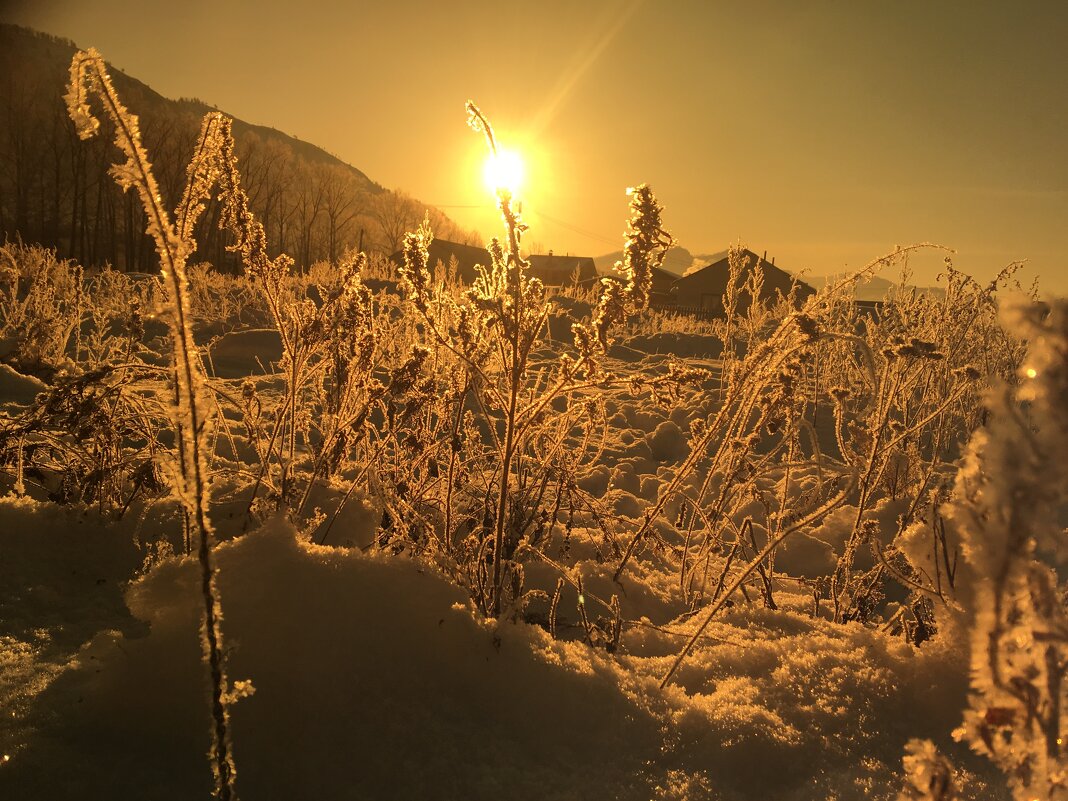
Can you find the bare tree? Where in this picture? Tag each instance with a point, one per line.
(396, 213)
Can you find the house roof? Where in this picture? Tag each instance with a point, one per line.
(713, 277)
(467, 256)
(663, 280)
(551, 269)
(554, 270)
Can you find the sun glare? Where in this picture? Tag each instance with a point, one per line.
(504, 171)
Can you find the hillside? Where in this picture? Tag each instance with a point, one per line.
(56, 190)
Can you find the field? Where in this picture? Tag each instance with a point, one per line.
(365, 532)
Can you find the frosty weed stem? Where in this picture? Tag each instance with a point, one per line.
(88, 75)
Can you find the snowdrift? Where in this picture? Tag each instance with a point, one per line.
(373, 679)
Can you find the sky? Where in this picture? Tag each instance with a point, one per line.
(822, 132)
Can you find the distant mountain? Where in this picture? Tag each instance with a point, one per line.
(875, 288)
(677, 261)
(56, 190)
(681, 261)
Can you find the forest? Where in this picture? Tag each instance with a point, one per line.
(57, 191)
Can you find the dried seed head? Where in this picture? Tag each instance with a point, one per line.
(415, 272)
(916, 348)
(134, 322)
(808, 326)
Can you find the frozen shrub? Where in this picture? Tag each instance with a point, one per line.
(929, 775)
(490, 334)
(1008, 498)
(41, 307)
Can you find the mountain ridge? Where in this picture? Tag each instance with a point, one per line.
(127, 85)
(677, 260)
(57, 191)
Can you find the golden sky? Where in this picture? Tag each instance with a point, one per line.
(823, 132)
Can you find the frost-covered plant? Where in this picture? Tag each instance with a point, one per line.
(492, 332)
(905, 396)
(902, 404)
(328, 349)
(91, 437)
(88, 77)
(757, 403)
(929, 776)
(1008, 499)
(113, 327)
(218, 298)
(328, 346)
(41, 306)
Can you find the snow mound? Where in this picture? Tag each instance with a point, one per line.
(701, 346)
(668, 443)
(374, 679)
(18, 388)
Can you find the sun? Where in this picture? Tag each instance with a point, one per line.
(504, 171)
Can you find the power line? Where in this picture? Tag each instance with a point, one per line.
(575, 229)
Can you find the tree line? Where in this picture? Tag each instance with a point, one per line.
(56, 190)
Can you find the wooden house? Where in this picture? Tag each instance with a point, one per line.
(705, 287)
(559, 271)
(553, 271)
(660, 294)
(442, 250)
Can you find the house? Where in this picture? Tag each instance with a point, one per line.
(660, 294)
(552, 270)
(442, 250)
(558, 271)
(704, 288)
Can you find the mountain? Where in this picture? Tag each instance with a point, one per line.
(56, 189)
(677, 261)
(681, 261)
(875, 288)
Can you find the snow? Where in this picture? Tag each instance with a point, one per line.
(18, 389)
(668, 443)
(374, 678)
(230, 353)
